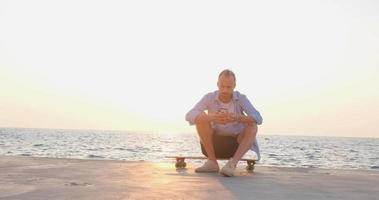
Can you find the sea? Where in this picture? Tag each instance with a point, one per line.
(276, 150)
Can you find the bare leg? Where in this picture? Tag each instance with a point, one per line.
(205, 131)
(245, 141)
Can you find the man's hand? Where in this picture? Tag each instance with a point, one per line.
(221, 118)
(224, 118)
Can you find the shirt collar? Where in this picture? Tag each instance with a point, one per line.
(235, 96)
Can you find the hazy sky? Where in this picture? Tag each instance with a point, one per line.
(309, 67)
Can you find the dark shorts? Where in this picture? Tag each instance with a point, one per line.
(224, 146)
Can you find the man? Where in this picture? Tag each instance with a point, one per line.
(228, 129)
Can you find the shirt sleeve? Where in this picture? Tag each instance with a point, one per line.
(200, 107)
(250, 110)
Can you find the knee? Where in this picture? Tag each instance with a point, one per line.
(252, 128)
(201, 119)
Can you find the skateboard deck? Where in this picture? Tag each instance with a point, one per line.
(181, 164)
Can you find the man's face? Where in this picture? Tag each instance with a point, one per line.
(226, 86)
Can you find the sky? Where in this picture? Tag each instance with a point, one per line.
(310, 67)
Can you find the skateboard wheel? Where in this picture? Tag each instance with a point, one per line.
(180, 165)
(250, 168)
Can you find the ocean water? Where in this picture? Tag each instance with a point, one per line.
(286, 151)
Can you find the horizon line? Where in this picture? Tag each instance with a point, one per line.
(157, 132)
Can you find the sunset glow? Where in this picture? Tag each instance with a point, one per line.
(310, 68)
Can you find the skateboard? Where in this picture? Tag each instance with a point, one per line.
(181, 164)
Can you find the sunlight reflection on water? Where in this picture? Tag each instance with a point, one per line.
(289, 151)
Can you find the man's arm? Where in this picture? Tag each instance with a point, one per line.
(229, 117)
(252, 113)
(199, 108)
(245, 119)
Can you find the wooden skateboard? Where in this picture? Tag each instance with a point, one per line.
(181, 164)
